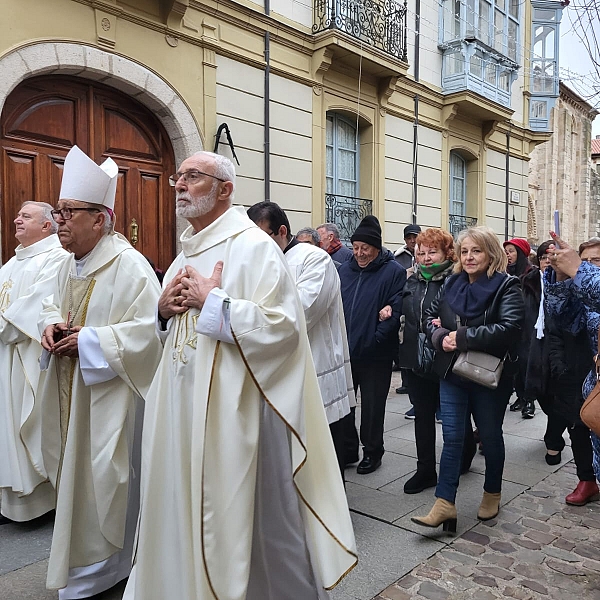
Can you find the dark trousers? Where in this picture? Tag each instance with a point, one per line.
(424, 395)
(580, 443)
(374, 380)
(337, 435)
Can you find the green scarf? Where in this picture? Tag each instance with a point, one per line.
(428, 273)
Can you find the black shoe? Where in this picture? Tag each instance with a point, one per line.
(419, 482)
(518, 404)
(368, 464)
(402, 390)
(553, 459)
(528, 410)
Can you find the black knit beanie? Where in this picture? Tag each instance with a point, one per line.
(369, 232)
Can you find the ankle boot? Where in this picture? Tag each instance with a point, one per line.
(585, 492)
(489, 507)
(441, 513)
(528, 410)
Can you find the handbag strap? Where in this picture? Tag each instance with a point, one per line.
(597, 359)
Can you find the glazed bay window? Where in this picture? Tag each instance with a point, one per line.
(480, 44)
(544, 62)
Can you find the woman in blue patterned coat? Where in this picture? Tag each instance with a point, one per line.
(572, 299)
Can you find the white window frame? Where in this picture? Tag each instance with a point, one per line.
(457, 161)
(334, 119)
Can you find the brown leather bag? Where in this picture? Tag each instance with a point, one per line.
(590, 410)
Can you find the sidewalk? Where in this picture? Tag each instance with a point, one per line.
(537, 548)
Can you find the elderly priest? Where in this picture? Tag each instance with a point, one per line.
(242, 496)
(25, 280)
(99, 333)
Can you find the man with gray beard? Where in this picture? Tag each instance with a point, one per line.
(242, 498)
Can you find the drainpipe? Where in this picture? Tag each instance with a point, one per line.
(416, 113)
(507, 184)
(267, 115)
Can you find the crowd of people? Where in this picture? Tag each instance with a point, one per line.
(200, 431)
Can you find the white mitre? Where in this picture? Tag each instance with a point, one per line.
(84, 180)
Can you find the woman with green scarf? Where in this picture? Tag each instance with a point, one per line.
(435, 259)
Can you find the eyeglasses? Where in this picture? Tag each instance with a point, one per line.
(192, 176)
(66, 214)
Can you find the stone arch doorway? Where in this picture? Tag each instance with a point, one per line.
(44, 116)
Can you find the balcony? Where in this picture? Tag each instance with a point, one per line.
(346, 213)
(380, 24)
(458, 223)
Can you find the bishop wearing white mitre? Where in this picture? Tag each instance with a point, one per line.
(25, 280)
(99, 331)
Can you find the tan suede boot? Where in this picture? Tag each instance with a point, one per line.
(441, 513)
(489, 507)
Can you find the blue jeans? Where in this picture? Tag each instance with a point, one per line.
(459, 398)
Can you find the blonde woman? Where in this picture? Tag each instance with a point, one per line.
(479, 308)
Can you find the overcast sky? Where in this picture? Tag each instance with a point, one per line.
(575, 58)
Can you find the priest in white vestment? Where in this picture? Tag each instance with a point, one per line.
(242, 497)
(318, 285)
(102, 349)
(25, 281)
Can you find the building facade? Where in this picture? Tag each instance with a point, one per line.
(562, 176)
(422, 111)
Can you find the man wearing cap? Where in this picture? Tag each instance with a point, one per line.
(405, 255)
(370, 280)
(318, 286)
(242, 496)
(101, 352)
(25, 280)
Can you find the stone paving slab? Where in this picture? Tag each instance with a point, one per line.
(537, 547)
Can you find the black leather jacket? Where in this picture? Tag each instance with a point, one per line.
(496, 331)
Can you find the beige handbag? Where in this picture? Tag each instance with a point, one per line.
(479, 367)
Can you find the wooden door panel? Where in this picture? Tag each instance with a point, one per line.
(51, 120)
(122, 137)
(18, 176)
(44, 116)
(150, 230)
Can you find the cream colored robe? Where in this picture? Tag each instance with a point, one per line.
(202, 431)
(24, 282)
(93, 476)
(318, 285)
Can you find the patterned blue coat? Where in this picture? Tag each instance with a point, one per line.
(574, 305)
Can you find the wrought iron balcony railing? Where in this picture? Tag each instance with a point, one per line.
(346, 213)
(459, 222)
(379, 23)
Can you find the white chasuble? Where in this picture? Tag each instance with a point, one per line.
(89, 429)
(25, 281)
(215, 413)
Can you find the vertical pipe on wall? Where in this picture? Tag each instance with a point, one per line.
(267, 115)
(267, 120)
(416, 113)
(507, 184)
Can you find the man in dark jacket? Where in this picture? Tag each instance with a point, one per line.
(371, 279)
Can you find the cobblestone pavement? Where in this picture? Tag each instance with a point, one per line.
(537, 547)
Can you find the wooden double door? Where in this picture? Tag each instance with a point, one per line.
(45, 116)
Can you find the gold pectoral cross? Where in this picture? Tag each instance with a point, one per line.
(5, 295)
(185, 336)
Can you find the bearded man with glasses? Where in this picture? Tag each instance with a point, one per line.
(242, 496)
(101, 350)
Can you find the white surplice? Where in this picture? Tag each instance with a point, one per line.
(318, 285)
(91, 465)
(242, 498)
(24, 282)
